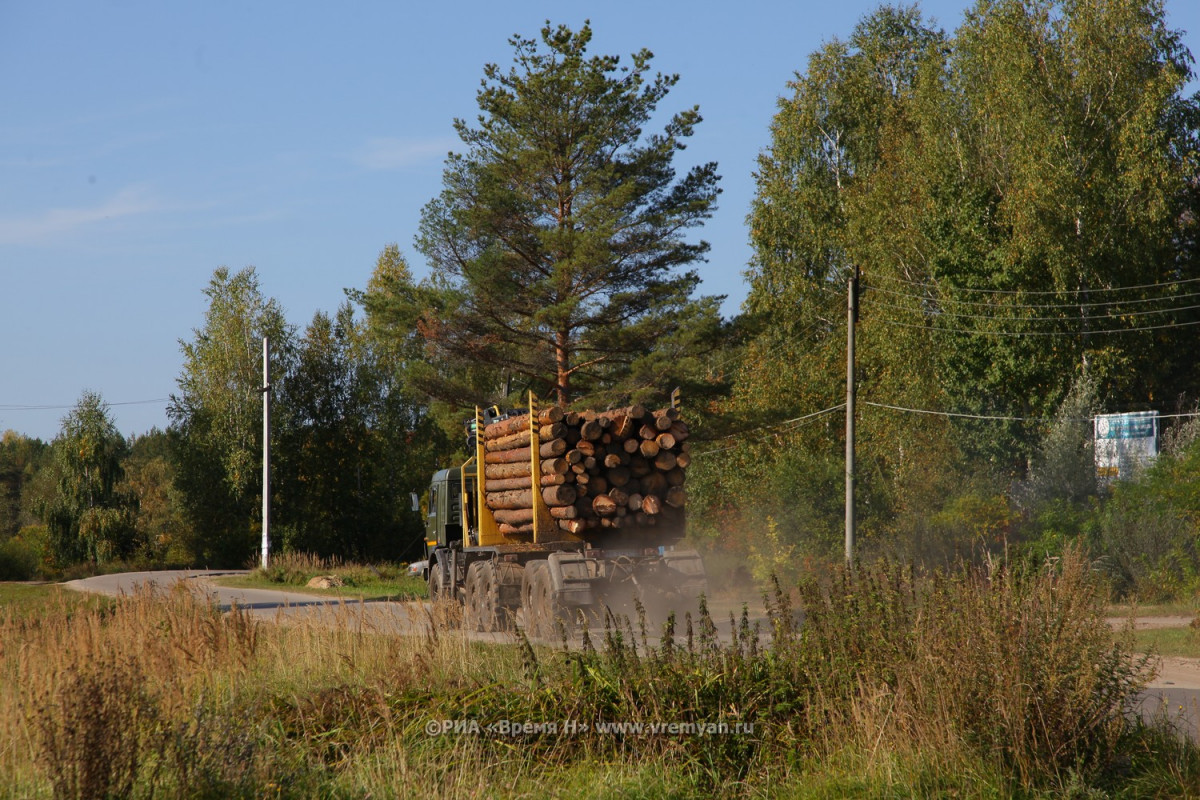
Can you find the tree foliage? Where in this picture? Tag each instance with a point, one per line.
(558, 242)
(353, 449)
(1021, 199)
(216, 415)
(91, 517)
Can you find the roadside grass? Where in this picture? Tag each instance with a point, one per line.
(358, 581)
(973, 684)
(1174, 642)
(25, 600)
(1188, 608)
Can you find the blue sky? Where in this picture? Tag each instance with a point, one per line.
(144, 144)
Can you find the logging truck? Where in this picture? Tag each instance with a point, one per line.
(559, 516)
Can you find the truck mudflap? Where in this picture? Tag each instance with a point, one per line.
(583, 579)
(686, 570)
(573, 577)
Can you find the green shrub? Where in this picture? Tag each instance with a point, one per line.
(19, 560)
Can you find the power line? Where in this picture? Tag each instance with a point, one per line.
(986, 304)
(1005, 418)
(1058, 292)
(982, 332)
(933, 313)
(30, 407)
(795, 423)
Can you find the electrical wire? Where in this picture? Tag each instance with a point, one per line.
(30, 407)
(1046, 420)
(932, 313)
(986, 304)
(1059, 292)
(929, 328)
(794, 423)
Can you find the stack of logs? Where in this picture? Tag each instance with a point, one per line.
(608, 469)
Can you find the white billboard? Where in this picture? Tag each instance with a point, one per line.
(1124, 442)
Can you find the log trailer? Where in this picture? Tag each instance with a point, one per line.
(559, 516)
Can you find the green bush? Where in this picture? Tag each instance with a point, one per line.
(19, 560)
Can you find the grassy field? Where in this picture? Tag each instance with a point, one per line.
(20, 601)
(966, 685)
(358, 581)
(1176, 642)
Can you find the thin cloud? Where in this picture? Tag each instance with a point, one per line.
(383, 153)
(56, 222)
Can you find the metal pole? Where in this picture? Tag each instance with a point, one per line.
(266, 481)
(851, 318)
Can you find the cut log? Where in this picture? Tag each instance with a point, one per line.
(679, 429)
(586, 447)
(676, 496)
(550, 449)
(622, 426)
(573, 526)
(521, 454)
(676, 477)
(635, 502)
(665, 461)
(630, 446)
(618, 476)
(583, 478)
(639, 467)
(653, 483)
(514, 516)
(553, 479)
(574, 456)
(506, 484)
(648, 432)
(651, 504)
(591, 430)
(683, 460)
(564, 512)
(554, 466)
(515, 470)
(506, 427)
(509, 442)
(554, 431)
(550, 415)
(562, 495)
(572, 418)
(589, 463)
(612, 460)
(514, 530)
(665, 441)
(603, 505)
(649, 448)
(619, 496)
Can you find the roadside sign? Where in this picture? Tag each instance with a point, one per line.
(1124, 442)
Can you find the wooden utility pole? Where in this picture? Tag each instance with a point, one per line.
(851, 319)
(266, 480)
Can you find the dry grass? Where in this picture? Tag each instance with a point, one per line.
(981, 683)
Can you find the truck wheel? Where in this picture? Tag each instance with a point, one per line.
(436, 589)
(547, 613)
(529, 607)
(483, 608)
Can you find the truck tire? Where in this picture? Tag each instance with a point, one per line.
(436, 588)
(546, 618)
(484, 609)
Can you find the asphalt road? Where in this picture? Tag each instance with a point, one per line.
(283, 607)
